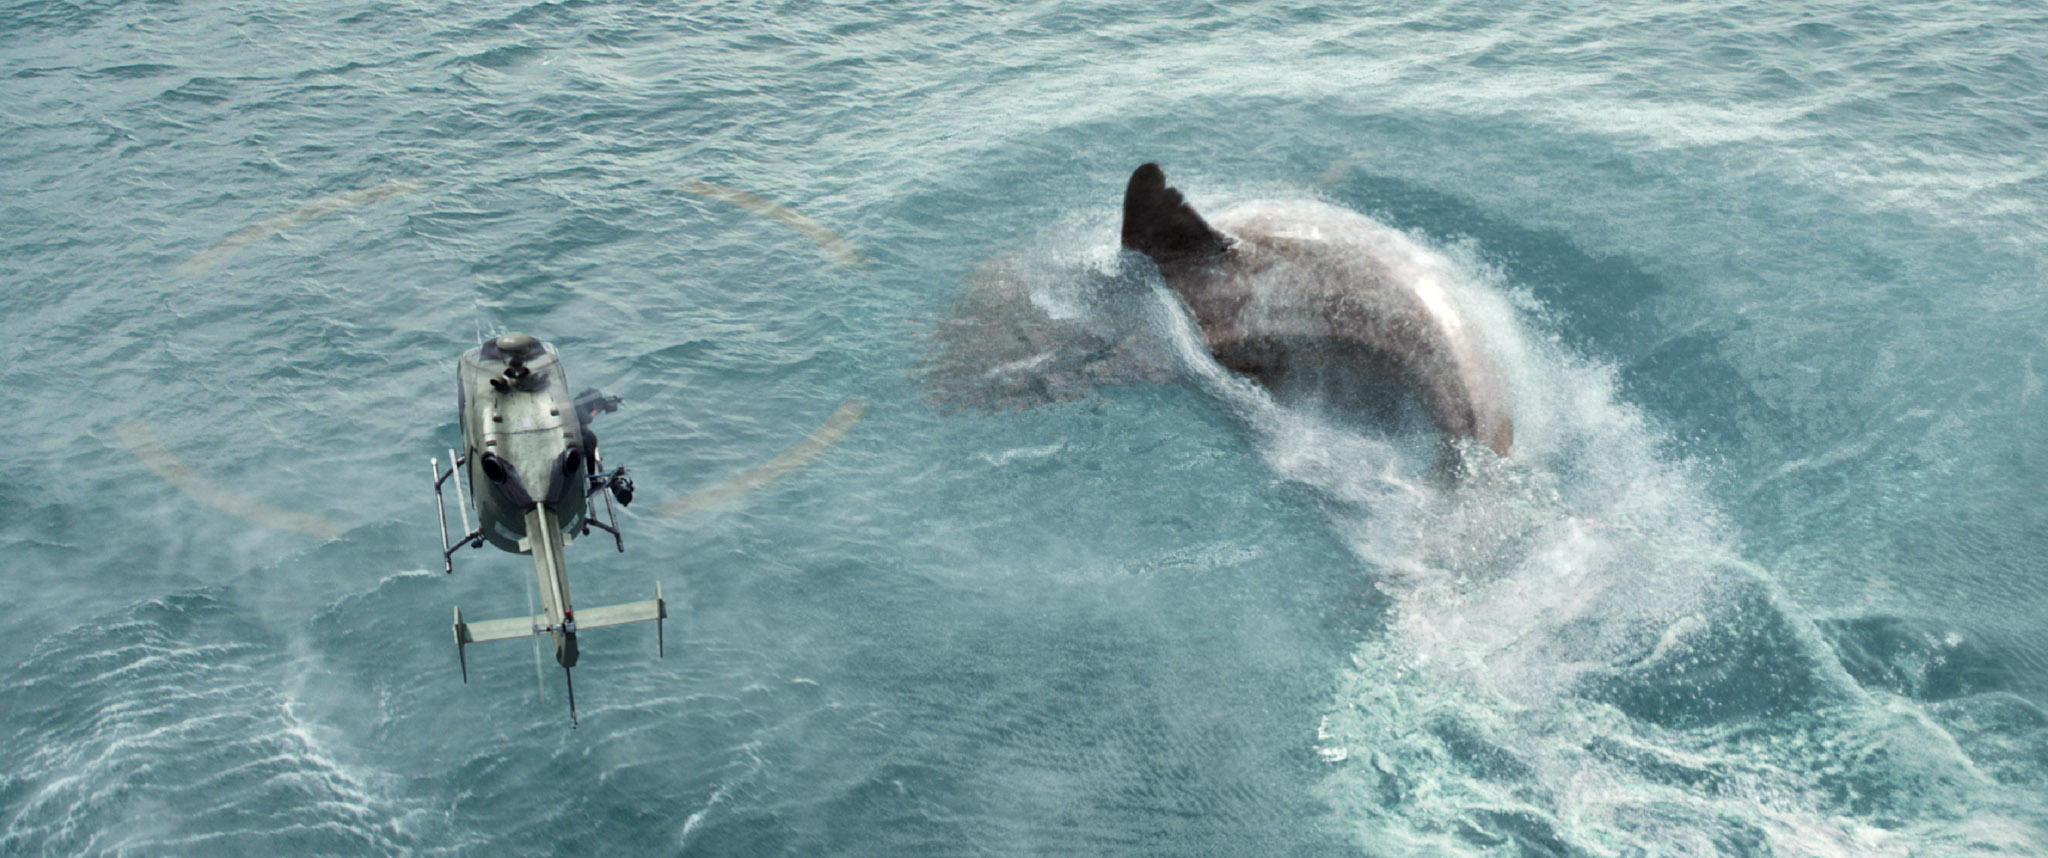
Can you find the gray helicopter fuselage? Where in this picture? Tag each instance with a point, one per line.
(526, 445)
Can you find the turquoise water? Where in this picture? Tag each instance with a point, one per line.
(1764, 577)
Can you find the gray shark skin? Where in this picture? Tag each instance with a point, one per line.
(1312, 306)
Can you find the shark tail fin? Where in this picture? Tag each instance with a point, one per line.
(1159, 223)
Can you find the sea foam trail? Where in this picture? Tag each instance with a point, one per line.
(1579, 661)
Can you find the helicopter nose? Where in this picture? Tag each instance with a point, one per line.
(517, 345)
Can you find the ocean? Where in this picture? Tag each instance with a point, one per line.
(1763, 575)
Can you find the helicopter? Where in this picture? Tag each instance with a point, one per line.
(531, 466)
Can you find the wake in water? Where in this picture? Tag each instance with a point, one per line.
(1579, 662)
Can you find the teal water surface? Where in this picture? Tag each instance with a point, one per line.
(1763, 577)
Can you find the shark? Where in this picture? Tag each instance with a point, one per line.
(1311, 305)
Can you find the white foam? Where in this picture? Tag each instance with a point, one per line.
(1589, 549)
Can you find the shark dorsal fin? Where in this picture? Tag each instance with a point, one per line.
(1159, 223)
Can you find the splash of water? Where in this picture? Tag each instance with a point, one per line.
(1579, 661)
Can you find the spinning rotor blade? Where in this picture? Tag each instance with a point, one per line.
(830, 241)
(167, 465)
(264, 229)
(820, 439)
(143, 443)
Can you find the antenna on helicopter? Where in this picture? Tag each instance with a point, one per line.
(570, 684)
